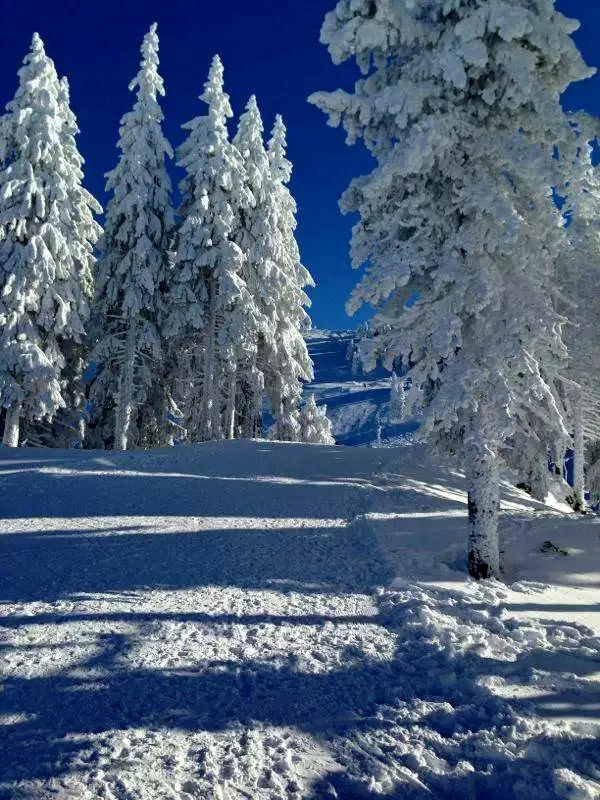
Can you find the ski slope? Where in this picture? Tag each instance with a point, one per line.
(271, 621)
(356, 404)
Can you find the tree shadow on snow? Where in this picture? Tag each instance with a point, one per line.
(63, 565)
(408, 722)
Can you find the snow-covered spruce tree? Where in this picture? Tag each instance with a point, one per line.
(133, 270)
(47, 233)
(315, 427)
(292, 363)
(211, 324)
(460, 107)
(257, 237)
(397, 407)
(68, 425)
(578, 295)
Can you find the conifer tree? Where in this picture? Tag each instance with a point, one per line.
(211, 323)
(134, 268)
(69, 424)
(315, 427)
(579, 298)
(47, 233)
(292, 363)
(256, 235)
(459, 104)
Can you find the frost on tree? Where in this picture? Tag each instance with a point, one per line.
(275, 278)
(292, 364)
(257, 236)
(578, 295)
(315, 427)
(47, 233)
(133, 272)
(211, 322)
(459, 104)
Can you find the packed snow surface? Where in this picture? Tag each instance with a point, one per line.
(259, 620)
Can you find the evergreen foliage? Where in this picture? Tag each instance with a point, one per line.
(47, 234)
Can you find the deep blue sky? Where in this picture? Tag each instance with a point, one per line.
(270, 48)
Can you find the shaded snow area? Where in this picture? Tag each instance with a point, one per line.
(356, 404)
(272, 621)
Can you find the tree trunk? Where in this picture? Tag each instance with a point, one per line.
(11, 426)
(230, 408)
(484, 504)
(205, 431)
(125, 402)
(578, 455)
(215, 414)
(288, 428)
(252, 423)
(538, 478)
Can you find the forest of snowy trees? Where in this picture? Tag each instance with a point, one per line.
(477, 227)
(186, 323)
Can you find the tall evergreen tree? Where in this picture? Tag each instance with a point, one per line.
(579, 297)
(257, 237)
(460, 107)
(291, 363)
(70, 422)
(134, 268)
(47, 233)
(211, 322)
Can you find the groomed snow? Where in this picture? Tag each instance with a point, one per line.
(261, 620)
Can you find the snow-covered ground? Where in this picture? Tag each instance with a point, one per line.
(261, 620)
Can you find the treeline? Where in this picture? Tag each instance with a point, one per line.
(183, 322)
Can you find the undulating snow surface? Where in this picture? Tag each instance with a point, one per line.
(260, 620)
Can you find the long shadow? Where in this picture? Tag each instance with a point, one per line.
(47, 568)
(62, 715)
(195, 618)
(28, 459)
(85, 493)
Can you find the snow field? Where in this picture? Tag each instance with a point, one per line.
(213, 622)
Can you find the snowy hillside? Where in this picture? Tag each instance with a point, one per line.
(356, 404)
(265, 620)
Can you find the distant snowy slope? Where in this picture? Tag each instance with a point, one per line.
(249, 619)
(356, 404)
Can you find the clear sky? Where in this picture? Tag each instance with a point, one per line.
(270, 48)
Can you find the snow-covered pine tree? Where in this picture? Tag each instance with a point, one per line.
(133, 269)
(69, 423)
(257, 237)
(459, 104)
(315, 427)
(397, 406)
(292, 363)
(211, 322)
(47, 233)
(579, 297)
